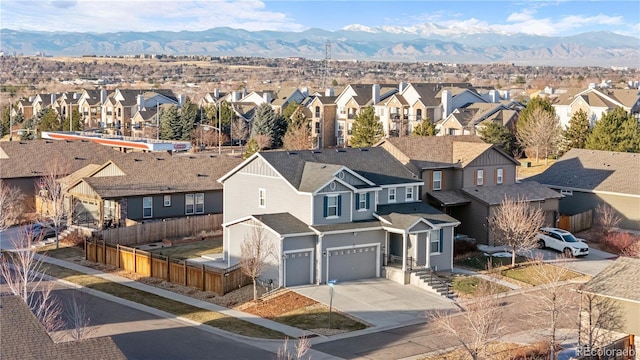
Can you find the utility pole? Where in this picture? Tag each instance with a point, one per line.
(11, 120)
(157, 120)
(219, 128)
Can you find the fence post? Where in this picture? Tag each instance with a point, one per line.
(104, 251)
(85, 249)
(96, 252)
(150, 264)
(184, 263)
(168, 269)
(135, 263)
(118, 256)
(203, 282)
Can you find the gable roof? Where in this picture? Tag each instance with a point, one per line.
(594, 170)
(373, 164)
(493, 195)
(284, 224)
(23, 337)
(403, 216)
(33, 158)
(616, 280)
(159, 173)
(428, 91)
(609, 98)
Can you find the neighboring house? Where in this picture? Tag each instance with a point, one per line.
(65, 104)
(284, 97)
(123, 104)
(588, 178)
(619, 282)
(90, 107)
(22, 336)
(211, 98)
(148, 186)
(333, 214)
(24, 163)
(470, 118)
(596, 102)
(322, 110)
(43, 101)
(24, 107)
(467, 179)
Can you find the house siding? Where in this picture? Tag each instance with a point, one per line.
(364, 214)
(244, 230)
(347, 239)
(346, 208)
(490, 161)
(442, 261)
(473, 220)
(212, 205)
(628, 208)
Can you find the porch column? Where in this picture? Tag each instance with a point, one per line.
(318, 259)
(404, 252)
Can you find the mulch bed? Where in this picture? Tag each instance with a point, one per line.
(278, 305)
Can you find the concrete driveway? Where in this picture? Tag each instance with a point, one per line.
(591, 264)
(380, 302)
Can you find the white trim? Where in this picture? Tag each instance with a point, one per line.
(356, 175)
(333, 232)
(284, 263)
(377, 245)
(591, 191)
(144, 207)
(401, 184)
(395, 195)
(406, 193)
(439, 241)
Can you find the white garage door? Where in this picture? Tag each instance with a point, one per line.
(297, 268)
(360, 262)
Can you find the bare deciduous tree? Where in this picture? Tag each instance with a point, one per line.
(21, 270)
(553, 302)
(297, 138)
(515, 224)
(607, 218)
(480, 323)
(599, 317)
(263, 141)
(239, 130)
(51, 193)
(301, 348)
(255, 250)
(541, 132)
(11, 205)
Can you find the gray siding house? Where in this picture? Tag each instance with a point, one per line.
(588, 178)
(333, 215)
(468, 179)
(148, 186)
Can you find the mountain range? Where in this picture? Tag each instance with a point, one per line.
(420, 43)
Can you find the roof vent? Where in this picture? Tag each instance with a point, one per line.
(136, 160)
(292, 153)
(159, 158)
(79, 158)
(85, 141)
(316, 152)
(48, 142)
(341, 150)
(203, 175)
(69, 141)
(192, 157)
(22, 142)
(362, 149)
(212, 156)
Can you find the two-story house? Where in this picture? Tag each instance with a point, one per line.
(468, 179)
(333, 214)
(322, 111)
(90, 107)
(470, 118)
(596, 102)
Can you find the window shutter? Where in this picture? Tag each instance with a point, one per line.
(495, 176)
(325, 206)
(339, 205)
(368, 201)
(441, 239)
(476, 178)
(357, 201)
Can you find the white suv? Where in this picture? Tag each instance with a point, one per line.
(562, 241)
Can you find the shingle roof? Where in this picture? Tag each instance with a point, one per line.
(493, 195)
(284, 223)
(374, 164)
(618, 280)
(594, 170)
(315, 175)
(449, 198)
(158, 173)
(34, 158)
(355, 225)
(23, 337)
(405, 215)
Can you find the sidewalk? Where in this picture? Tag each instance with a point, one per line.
(285, 329)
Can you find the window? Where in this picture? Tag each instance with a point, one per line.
(362, 201)
(332, 206)
(262, 198)
(409, 193)
(167, 200)
(194, 203)
(479, 177)
(317, 111)
(419, 114)
(392, 194)
(147, 207)
(437, 180)
(499, 175)
(436, 241)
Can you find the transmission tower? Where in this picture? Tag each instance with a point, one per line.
(325, 69)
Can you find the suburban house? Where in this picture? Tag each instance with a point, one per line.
(322, 112)
(147, 186)
(596, 102)
(588, 178)
(468, 179)
(24, 107)
(24, 337)
(340, 214)
(24, 163)
(65, 104)
(121, 105)
(468, 119)
(619, 282)
(90, 107)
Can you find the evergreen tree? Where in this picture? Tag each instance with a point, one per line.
(616, 131)
(170, 125)
(76, 121)
(425, 128)
(367, 128)
(534, 104)
(188, 116)
(575, 136)
(224, 111)
(5, 123)
(50, 121)
(267, 122)
(497, 134)
(251, 148)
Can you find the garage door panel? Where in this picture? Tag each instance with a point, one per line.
(353, 264)
(298, 268)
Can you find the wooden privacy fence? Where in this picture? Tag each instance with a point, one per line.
(205, 278)
(576, 223)
(152, 231)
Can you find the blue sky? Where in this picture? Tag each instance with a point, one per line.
(542, 17)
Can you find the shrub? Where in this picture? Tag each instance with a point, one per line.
(623, 243)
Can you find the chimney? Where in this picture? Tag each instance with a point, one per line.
(140, 101)
(305, 91)
(494, 96)
(181, 99)
(402, 86)
(53, 98)
(375, 93)
(446, 103)
(236, 96)
(507, 95)
(328, 92)
(266, 96)
(216, 93)
(75, 96)
(103, 96)
(31, 98)
(244, 92)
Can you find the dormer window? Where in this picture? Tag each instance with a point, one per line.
(392, 195)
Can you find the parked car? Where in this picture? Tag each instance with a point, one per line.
(563, 241)
(41, 230)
